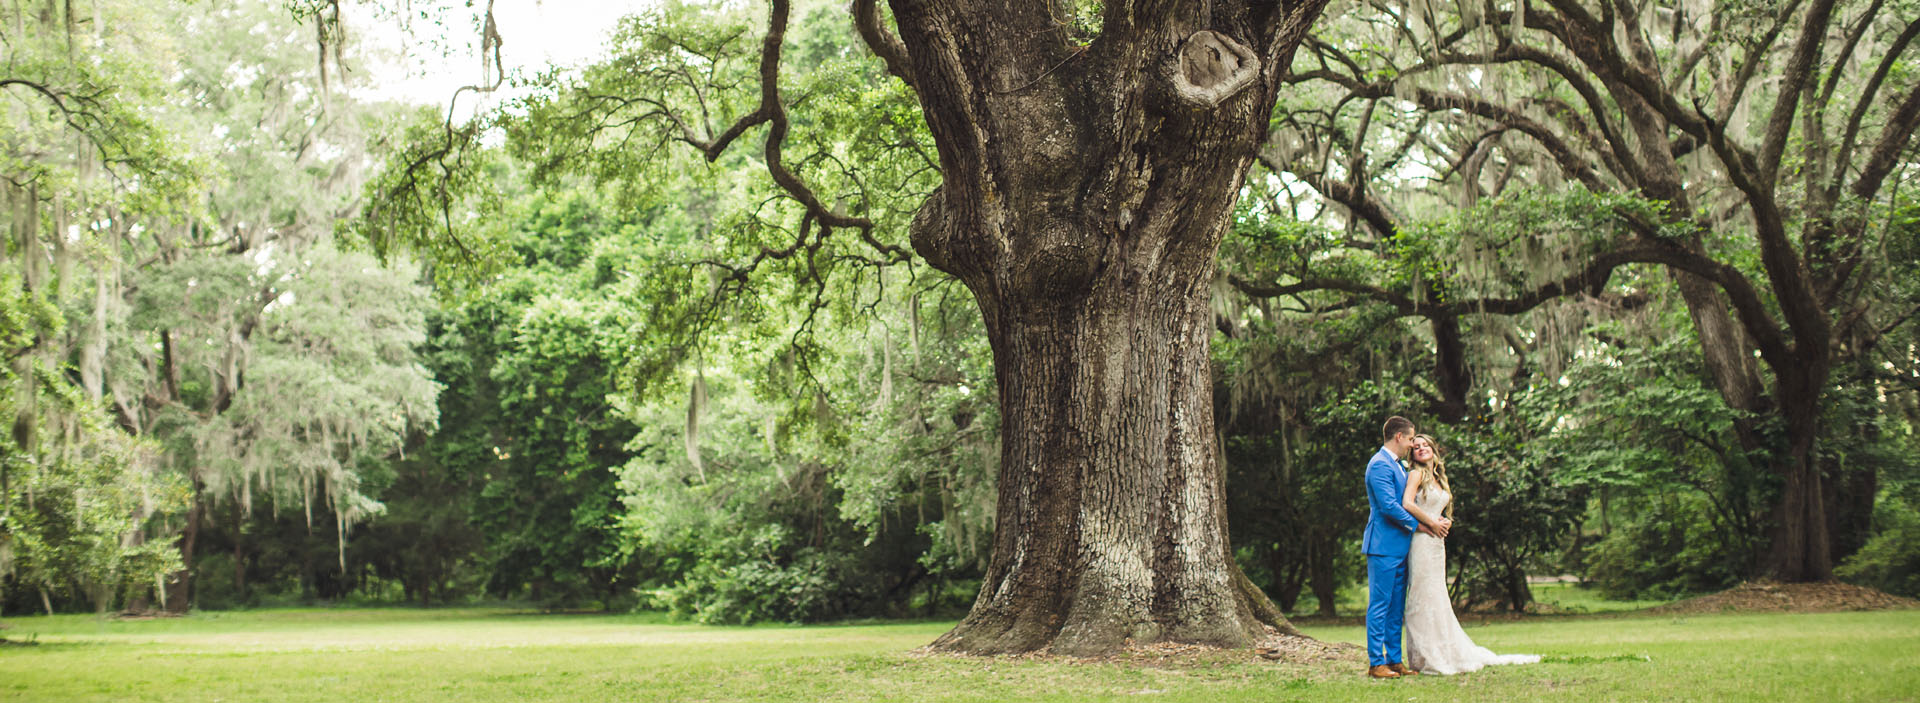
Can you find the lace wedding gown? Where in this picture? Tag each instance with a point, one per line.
(1435, 642)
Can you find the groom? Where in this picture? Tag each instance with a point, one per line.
(1389, 532)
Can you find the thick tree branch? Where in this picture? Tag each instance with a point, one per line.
(1597, 130)
(1840, 61)
(1591, 278)
(866, 18)
(1583, 34)
(1799, 69)
(1356, 200)
(773, 112)
(1893, 140)
(1867, 94)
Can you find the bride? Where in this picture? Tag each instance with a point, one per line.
(1435, 642)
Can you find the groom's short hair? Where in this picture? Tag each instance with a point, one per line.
(1395, 425)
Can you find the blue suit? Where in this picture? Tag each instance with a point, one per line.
(1389, 533)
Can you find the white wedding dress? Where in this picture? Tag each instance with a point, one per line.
(1435, 642)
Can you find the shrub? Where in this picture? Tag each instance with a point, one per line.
(1890, 561)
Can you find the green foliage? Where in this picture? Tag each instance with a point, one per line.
(1298, 503)
(739, 580)
(857, 496)
(432, 194)
(529, 435)
(330, 378)
(1668, 548)
(1890, 561)
(66, 512)
(1514, 506)
(71, 122)
(1511, 242)
(771, 380)
(1643, 428)
(68, 519)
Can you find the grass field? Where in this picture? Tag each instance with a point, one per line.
(1567, 598)
(496, 655)
(1571, 598)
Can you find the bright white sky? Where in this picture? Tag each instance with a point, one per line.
(426, 69)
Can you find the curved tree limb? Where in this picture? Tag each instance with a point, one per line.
(1867, 95)
(866, 19)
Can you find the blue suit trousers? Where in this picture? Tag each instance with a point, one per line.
(1386, 607)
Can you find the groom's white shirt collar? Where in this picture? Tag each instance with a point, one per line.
(1396, 457)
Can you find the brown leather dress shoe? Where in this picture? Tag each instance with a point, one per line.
(1380, 671)
(1401, 669)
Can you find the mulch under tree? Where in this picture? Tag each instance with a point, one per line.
(1776, 597)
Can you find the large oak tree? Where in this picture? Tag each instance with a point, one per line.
(1085, 191)
(1088, 159)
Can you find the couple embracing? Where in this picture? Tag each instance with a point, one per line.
(1409, 516)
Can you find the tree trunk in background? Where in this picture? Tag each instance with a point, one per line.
(1799, 518)
(1083, 203)
(1849, 507)
(239, 553)
(1289, 575)
(1326, 589)
(180, 584)
(1450, 371)
(1802, 549)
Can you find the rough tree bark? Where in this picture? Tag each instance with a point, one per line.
(1086, 191)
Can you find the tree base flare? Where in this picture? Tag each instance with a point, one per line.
(1272, 647)
(1249, 622)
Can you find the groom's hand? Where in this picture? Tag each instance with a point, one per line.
(1441, 529)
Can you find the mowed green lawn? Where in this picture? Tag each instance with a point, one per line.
(488, 655)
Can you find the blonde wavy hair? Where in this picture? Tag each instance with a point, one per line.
(1435, 470)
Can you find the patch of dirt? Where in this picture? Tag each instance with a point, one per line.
(1292, 648)
(1775, 597)
(144, 615)
(1475, 617)
(1275, 647)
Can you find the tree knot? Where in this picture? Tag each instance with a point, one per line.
(1211, 68)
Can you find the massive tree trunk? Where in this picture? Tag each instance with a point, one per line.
(1111, 511)
(1086, 191)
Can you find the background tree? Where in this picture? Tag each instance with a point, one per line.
(1771, 247)
(83, 146)
(173, 200)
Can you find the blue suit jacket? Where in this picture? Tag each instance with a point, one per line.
(1389, 526)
